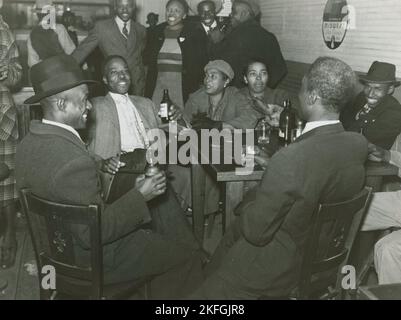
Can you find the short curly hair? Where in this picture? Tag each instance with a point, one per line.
(333, 81)
(182, 2)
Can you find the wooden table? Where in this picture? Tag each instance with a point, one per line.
(232, 186)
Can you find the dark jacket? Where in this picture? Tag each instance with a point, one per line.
(325, 165)
(194, 58)
(107, 36)
(55, 165)
(250, 41)
(380, 126)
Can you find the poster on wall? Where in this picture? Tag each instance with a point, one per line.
(335, 23)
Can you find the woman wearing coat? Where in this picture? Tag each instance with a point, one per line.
(175, 56)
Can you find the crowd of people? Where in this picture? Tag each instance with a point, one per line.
(218, 77)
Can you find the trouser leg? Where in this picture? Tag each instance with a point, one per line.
(388, 258)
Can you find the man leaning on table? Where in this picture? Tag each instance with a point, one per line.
(384, 213)
(262, 250)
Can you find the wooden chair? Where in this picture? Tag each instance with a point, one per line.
(49, 225)
(334, 229)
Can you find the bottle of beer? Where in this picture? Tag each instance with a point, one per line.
(287, 123)
(165, 105)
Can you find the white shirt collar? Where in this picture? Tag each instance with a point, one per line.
(120, 24)
(62, 125)
(316, 124)
(119, 97)
(214, 25)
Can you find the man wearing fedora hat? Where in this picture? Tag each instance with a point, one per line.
(54, 163)
(375, 112)
(247, 41)
(46, 40)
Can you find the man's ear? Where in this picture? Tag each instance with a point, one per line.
(312, 97)
(184, 16)
(105, 80)
(61, 104)
(391, 90)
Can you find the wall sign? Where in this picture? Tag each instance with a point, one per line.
(335, 23)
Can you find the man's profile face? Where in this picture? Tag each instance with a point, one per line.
(375, 92)
(117, 76)
(77, 107)
(125, 9)
(207, 13)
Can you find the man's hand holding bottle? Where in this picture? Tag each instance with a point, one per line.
(151, 187)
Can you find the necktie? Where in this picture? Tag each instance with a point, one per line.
(363, 112)
(125, 30)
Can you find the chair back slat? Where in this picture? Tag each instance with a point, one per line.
(332, 235)
(52, 228)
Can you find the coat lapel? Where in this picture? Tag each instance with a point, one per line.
(112, 111)
(132, 38)
(114, 30)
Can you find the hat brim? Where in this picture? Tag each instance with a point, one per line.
(38, 97)
(193, 6)
(364, 79)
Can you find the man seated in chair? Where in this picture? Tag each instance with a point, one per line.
(54, 163)
(120, 125)
(375, 112)
(262, 251)
(384, 213)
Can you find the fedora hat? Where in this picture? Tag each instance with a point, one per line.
(380, 72)
(193, 5)
(55, 75)
(40, 4)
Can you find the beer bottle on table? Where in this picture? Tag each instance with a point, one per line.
(287, 123)
(165, 106)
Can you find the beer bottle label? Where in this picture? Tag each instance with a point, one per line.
(164, 110)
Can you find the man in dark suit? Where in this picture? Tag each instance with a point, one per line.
(55, 164)
(249, 41)
(375, 112)
(209, 27)
(119, 35)
(262, 251)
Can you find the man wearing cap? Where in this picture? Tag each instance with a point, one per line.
(119, 35)
(54, 163)
(249, 41)
(47, 40)
(375, 112)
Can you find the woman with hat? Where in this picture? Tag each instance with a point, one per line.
(10, 75)
(218, 105)
(375, 112)
(215, 105)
